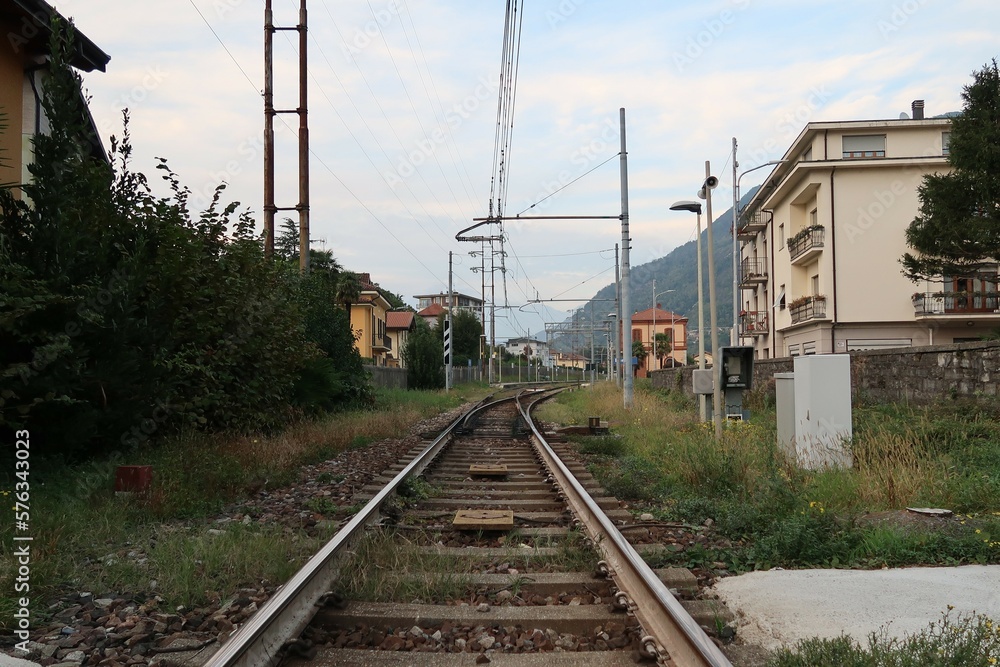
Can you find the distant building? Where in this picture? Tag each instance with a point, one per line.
(569, 360)
(821, 240)
(533, 349)
(399, 324)
(430, 306)
(23, 72)
(652, 321)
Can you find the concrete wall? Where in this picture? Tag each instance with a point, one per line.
(914, 374)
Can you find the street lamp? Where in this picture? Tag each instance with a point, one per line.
(706, 193)
(736, 244)
(695, 207)
(655, 356)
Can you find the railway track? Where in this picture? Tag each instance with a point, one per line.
(491, 545)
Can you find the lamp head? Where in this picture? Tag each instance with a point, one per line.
(687, 205)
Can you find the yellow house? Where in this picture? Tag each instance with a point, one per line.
(23, 68)
(368, 321)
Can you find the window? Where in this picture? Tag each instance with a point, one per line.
(815, 284)
(808, 155)
(945, 143)
(780, 301)
(793, 350)
(781, 236)
(814, 217)
(809, 348)
(636, 335)
(864, 145)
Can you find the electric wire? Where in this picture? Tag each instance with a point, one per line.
(230, 53)
(460, 160)
(570, 183)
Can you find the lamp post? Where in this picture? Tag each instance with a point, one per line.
(736, 244)
(695, 207)
(706, 193)
(655, 356)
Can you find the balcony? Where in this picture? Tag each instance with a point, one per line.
(941, 305)
(753, 271)
(381, 344)
(753, 323)
(752, 222)
(806, 245)
(807, 308)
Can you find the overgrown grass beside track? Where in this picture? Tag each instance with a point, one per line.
(773, 514)
(87, 539)
(768, 513)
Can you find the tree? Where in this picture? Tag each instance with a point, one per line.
(348, 289)
(639, 350)
(466, 330)
(662, 347)
(424, 358)
(957, 231)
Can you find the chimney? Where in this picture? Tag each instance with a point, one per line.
(918, 109)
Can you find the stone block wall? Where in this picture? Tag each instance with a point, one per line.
(907, 374)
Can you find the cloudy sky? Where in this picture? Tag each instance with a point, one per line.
(403, 97)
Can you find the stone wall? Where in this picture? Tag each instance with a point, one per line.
(908, 374)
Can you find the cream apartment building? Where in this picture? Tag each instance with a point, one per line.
(820, 244)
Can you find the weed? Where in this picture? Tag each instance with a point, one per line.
(968, 640)
(322, 505)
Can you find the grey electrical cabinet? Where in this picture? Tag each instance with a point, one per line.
(736, 368)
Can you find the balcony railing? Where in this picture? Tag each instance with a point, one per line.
(956, 303)
(752, 222)
(753, 270)
(753, 322)
(808, 308)
(381, 343)
(806, 244)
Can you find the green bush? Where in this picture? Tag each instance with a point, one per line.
(124, 316)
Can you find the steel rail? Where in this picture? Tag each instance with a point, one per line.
(260, 640)
(672, 633)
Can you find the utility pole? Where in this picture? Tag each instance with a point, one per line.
(618, 321)
(626, 306)
(269, 113)
(268, 131)
(734, 339)
(717, 406)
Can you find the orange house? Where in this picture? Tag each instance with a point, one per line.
(646, 325)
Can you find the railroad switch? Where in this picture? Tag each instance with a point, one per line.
(483, 520)
(488, 469)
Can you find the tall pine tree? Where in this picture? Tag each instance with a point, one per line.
(957, 232)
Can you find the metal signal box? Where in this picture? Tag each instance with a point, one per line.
(736, 368)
